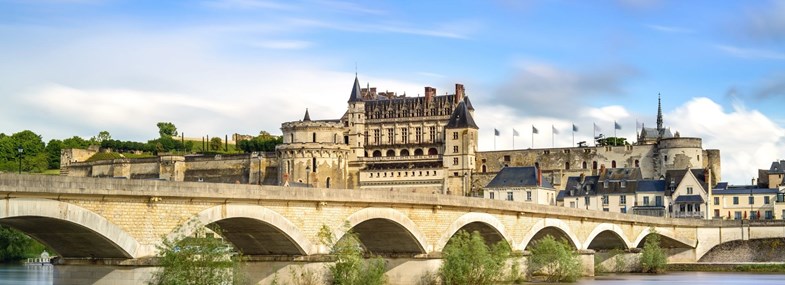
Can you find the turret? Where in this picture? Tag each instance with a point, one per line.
(460, 149)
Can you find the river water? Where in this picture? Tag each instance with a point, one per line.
(40, 275)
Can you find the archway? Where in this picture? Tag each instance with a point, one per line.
(433, 151)
(377, 153)
(404, 152)
(667, 239)
(253, 230)
(553, 227)
(418, 151)
(386, 231)
(390, 152)
(489, 227)
(72, 231)
(606, 237)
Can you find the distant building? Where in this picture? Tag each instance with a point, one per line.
(523, 184)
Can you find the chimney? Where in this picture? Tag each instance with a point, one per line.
(458, 92)
(754, 182)
(429, 93)
(539, 177)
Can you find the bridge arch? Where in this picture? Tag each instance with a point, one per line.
(667, 238)
(254, 230)
(547, 224)
(607, 236)
(489, 227)
(72, 231)
(376, 227)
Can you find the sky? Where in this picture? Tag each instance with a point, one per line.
(218, 67)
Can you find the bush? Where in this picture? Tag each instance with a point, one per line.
(197, 260)
(556, 260)
(467, 259)
(653, 258)
(350, 267)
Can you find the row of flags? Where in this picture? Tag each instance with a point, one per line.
(554, 130)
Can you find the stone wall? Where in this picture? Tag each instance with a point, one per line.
(756, 250)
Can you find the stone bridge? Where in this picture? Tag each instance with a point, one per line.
(121, 221)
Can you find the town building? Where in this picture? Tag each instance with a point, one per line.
(524, 184)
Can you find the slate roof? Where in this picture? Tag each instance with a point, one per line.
(674, 177)
(461, 118)
(356, 91)
(652, 133)
(576, 187)
(468, 103)
(689, 199)
(777, 167)
(744, 190)
(720, 186)
(621, 174)
(307, 117)
(651, 185)
(521, 176)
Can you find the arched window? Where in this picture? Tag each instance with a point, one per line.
(377, 153)
(484, 169)
(583, 165)
(314, 137)
(390, 153)
(291, 138)
(637, 163)
(313, 164)
(432, 151)
(594, 165)
(418, 151)
(613, 164)
(405, 152)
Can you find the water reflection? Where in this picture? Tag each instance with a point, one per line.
(18, 274)
(713, 278)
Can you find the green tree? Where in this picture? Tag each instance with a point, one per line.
(101, 137)
(167, 129)
(215, 144)
(15, 245)
(197, 260)
(653, 257)
(350, 267)
(612, 141)
(34, 156)
(76, 142)
(467, 259)
(53, 150)
(556, 260)
(263, 142)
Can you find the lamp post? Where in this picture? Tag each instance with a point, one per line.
(308, 176)
(20, 150)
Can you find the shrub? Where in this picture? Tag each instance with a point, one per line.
(467, 259)
(556, 260)
(653, 258)
(350, 267)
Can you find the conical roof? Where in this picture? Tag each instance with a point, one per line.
(307, 117)
(461, 118)
(356, 91)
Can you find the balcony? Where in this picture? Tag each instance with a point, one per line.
(688, 215)
(401, 158)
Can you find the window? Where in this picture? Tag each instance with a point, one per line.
(455, 174)
(666, 158)
(528, 195)
(583, 165)
(432, 133)
(623, 200)
(455, 149)
(769, 214)
(491, 195)
(587, 201)
(752, 200)
(645, 200)
(605, 200)
(623, 210)
(418, 134)
(735, 200)
(594, 165)
(314, 137)
(716, 213)
(637, 163)
(567, 165)
(716, 200)
(658, 201)
(689, 190)
(613, 164)
(455, 161)
(455, 135)
(546, 152)
(313, 163)
(623, 183)
(390, 135)
(766, 200)
(509, 196)
(484, 168)
(506, 158)
(405, 135)
(737, 215)
(376, 136)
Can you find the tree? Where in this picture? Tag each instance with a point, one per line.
(467, 259)
(76, 142)
(215, 144)
(53, 150)
(167, 129)
(350, 267)
(34, 157)
(197, 260)
(556, 260)
(653, 258)
(102, 136)
(15, 245)
(263, 142)
(612, 141)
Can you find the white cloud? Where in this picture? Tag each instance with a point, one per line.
(747, 139)
(670, 29)
(282, 44)
(751, 53)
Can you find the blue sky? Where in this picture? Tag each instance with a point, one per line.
(215, 67)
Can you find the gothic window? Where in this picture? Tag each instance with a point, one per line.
(484, 169)
(594, 165)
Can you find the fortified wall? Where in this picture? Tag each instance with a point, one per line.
(253, 168)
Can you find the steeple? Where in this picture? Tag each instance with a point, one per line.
(356, 91)
(307, 117)
(461, 118)
(659, 113)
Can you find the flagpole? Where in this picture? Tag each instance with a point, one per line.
(614, 129)
(573, 135)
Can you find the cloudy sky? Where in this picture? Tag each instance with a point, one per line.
(215, 67)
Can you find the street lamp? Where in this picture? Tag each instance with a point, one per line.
(308, 176)
(20, 150)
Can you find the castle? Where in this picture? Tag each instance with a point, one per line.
(418, 144)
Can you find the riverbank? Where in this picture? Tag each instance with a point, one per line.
(752, 267)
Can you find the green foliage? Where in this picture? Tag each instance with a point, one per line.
(467, 259)
(215, 144)
(34, 156)
(263, 142)
(198, 260)
(53, 149)
(76, 142)
(101, 137)
(350, 267)
(303, 276)
(166, 129)
(15, 245)
(612, 141)
(556, 260)
(653, 258)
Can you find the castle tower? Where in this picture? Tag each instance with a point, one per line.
(355, 121)
(460, 148)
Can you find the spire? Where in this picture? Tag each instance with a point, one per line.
(356, 91)
(307, 117)
(659, 112)
(461, 118)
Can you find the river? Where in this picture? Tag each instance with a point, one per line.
(40, 275)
